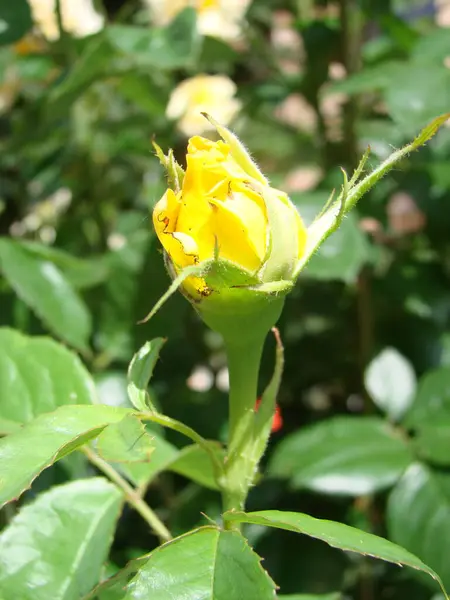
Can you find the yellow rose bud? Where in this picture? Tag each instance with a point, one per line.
(225, 211)
(233, 244)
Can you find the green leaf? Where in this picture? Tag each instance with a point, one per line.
(432, 442)
(391, 382)
(55, 547)
(432, 49)
(432, 400)
(171, 47)
(121, 49)
(194, 463)
(343, 455)
(125, 441)
(342, 255)
(140, 372)
(37, 375)
(80, 272)
(417, 94)
(207, 563)
(114, 587)
(336, 596)
(369, 79)
(418, 516)
(336, 535)
(164, 453)
(15, 20)
(23, 455)
(209, 447)
(96, 61)
(41, 285)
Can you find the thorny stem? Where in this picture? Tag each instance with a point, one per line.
(131, 495)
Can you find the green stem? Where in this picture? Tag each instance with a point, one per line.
(243, 367)
(132, 496)
(244, 360)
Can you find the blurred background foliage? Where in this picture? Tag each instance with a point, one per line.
(308, 85)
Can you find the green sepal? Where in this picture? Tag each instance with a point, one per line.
(175, 173)
(241, 312)
(225, 274)
(284, 235)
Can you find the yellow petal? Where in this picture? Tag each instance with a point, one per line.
(181, 247)
(210, 162)
(195, 212)
(165, 214)
(240, 230)
(188, 247)
(238, 152)
(197, 143)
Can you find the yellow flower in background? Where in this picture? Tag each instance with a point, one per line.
(216, 18)
(214, 94)
(79, 17)
(225, 209)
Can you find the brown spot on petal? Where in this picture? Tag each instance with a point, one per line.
(204, 291)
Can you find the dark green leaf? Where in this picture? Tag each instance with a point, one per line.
(55, 547)
(432, 400)
(15, 20)
(41, 285)
(23, 455)
(418, 516)
(335, 534)
(343, 455)
(37, 375)
(208, 563)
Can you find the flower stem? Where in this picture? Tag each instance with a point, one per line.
(251, 432)
(244, 360)
(243, 366)
(131, 495)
